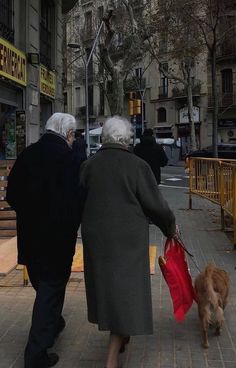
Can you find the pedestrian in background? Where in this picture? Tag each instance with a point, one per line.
(79, 147)
(43, 190)
(121, 192)
(152, 152)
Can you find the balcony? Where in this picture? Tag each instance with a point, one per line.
(182, 92)
(134, 84)
(224, 100)
(226, 52)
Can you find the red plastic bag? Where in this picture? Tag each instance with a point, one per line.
(175, 271)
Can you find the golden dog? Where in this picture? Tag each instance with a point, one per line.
(212, 289)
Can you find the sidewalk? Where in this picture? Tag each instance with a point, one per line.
(172, 345)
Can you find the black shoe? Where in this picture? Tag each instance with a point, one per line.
(44, 360)
(52, 359)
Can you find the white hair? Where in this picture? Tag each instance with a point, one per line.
(61, 123)
(116, 130)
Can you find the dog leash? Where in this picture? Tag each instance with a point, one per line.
(178, 237)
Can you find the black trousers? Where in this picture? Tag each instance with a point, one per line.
(48, 305)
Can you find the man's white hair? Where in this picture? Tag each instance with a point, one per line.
(61, 123)
(116, 130)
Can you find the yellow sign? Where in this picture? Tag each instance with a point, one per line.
(12, 63)
(47, 82)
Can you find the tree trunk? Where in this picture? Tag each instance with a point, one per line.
(193, 145)
(215, 104)
(116, 97)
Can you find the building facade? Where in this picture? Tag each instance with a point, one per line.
(163, 100)
(30, 70)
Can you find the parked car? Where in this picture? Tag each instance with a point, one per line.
(225, 151)
(94, 147)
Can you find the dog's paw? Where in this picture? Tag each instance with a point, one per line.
(205, 345)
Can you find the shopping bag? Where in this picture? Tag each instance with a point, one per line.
(175, 271)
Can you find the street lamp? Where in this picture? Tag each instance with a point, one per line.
(86, 64)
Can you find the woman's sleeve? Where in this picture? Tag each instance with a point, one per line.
(152, 201)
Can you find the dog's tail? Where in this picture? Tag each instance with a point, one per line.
(209, 286)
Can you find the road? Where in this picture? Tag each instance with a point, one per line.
(174, 176)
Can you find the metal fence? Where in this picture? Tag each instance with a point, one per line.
(215, 180)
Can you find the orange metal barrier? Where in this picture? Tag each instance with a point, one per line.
(215, 180)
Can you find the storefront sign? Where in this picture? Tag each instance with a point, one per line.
(20, 131)
(227, 123)
(47, 82)
(183, 115)
(12, 63)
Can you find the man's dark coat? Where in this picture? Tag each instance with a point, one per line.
(121, 193)
(153, 154)
(43, 190)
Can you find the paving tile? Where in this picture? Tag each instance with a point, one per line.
(172, 345)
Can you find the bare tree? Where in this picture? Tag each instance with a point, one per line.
(172, 36)
(211, 18)
(122, 47)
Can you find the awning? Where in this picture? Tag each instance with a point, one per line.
(67, 5)
(97, 131)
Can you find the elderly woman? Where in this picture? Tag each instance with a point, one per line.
(122, 194)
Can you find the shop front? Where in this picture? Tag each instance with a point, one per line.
(12, 100)
(47, 95)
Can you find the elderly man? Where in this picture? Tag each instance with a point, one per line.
(43, 190)
(121, 192)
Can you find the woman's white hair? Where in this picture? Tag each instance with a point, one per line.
(116, 130)
(61, 123)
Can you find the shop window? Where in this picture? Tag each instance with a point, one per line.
(7, 132)
(7, 20)
(161, 115)
(46, 32)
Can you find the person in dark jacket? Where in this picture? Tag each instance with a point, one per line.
(152, 152)
(121, 192)
(43, 190)
(79, 146)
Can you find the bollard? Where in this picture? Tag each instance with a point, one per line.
(25, 276)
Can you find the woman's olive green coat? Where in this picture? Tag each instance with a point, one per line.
(122, 194)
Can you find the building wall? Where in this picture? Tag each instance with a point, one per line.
(29, 98)
(153, 99)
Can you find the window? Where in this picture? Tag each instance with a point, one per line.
(163, 43)
(90, 99)
(90, 66)
(46, 30)
(227, 81)
(163, 90)
(88, 23)
(102, 99)
(161, 115)
(65, 102)
(7, 20)
(100, 13)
